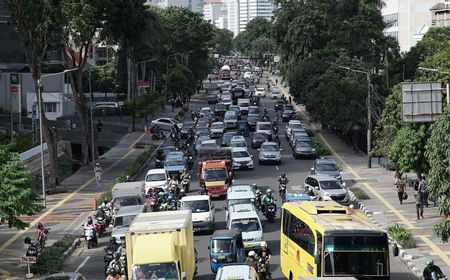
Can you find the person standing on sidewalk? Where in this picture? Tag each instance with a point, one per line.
(98, 175)
(419, 204)
(400, 184)
(290, 100)
(423, 190)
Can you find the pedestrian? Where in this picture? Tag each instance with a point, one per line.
(400, 184)
(99, 126)
(172, 102)
(423, 190)
(419, 204)
(98, 171)
(290, 100)
(209, 79)
(276, 81)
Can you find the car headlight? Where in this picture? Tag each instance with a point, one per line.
(214, 260)
(258, 239)
(313, 150)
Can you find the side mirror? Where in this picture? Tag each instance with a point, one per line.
(209, 247)
(316, 187)
(312, 170)
(251, 156)
(344, 184)
(395, 250)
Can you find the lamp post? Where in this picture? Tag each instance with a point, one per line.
(167, 72)
(447, 86)
(93, 107)
(41, 116)
(369, 110)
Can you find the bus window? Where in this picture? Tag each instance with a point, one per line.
(319, 252)
(301, 234)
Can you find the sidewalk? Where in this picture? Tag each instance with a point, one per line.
(383, 206)
(66, 212)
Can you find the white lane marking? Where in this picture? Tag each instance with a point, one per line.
(82, 264)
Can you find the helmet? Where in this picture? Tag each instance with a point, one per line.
(283, 174)
(112, 240)
(39, 226)
(112, 271)
(255, 186)
(269, 191)
(117, 255)
(122, 243)
(258, 191)
(97, 164)
(161, 194)
(430, 262)
(264, 244)
(251, 253)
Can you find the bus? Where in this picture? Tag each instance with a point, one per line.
(326, 239)
(225, 72)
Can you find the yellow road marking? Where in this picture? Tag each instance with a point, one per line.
(436, 249)
(5, 275)
(62, 201)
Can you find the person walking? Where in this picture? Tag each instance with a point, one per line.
(98, 171)
(400, 184)
(99, 126)
(290, 100)
(423, 190)
(419, 204)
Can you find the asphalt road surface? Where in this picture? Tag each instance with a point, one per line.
(90, 262)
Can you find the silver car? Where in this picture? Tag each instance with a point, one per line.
(327, 188)
(269, 152)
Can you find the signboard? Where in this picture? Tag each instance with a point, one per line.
(14, 89)
(421, 101)
(276, 58)
(28, 259)
(143, 84)
(14, 79)
(216, 55)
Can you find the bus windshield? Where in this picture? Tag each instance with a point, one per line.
(356, 255)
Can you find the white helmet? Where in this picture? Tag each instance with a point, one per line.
(269, 191)
(263, 244)
(251, 253)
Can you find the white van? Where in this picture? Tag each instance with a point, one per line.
(230, 119)
(243, 104)
(236, 271)
(203, 211)
(264, 127)
(155, 178)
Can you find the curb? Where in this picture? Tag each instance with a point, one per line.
(76, 243)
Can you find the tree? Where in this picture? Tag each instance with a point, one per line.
(222, 41)
(438, 156)
(36, 21)
(82, 21)
(256, 39)
(180, 80)
(16, 197)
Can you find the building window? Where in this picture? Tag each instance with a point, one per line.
(51, 107)
(391, 20)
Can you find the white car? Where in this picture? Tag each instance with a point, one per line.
(230, 119)
(261, 92)
(206, 110)
(238, 141)
(248, 75)
(226, 100)
(217, 129)
(275, 94)
(264, 127)
(269, 152)
(166, 123)
(208, 144)
(203, 211)
(155, 178)
(293, 124)
(241, 158)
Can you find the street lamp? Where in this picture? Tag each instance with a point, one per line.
(167, 72)
(41, 116)
(369, 110)
(440, 72)
(93, 107)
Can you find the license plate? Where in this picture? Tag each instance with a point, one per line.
(248, 246)
(221, 257)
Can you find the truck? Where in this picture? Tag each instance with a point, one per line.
(127, 194)
(160, 245)
(225, 72)
(215, 170)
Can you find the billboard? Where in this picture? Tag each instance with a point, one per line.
(421, 101)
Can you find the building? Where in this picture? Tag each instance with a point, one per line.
(440, 14)
(212, 11)
(250, 9)
(194, 5)
(408, 20)
(232, 16)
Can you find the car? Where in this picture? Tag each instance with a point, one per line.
(203, 211)
(199, 141)
(217, 129)
(239, 271)
(264, 127)
(304, 148)
(175, 163)
(238, 141)
(241, 158)
(227, 101)
(206, 110)
(64, 276)
(230, 119)
(243, 104)
(275, 94)
(269, 152)
(248, 75)
(124, 217)
(253, 110)
(327, 188)
(242, 128)
(166, 123)
(225, 93)
(185, 129)
(244, 218)
(210, 143)
(161, 154)
(202, 131)
(260, 92)
(203, 122)
(226, 137)
(278, 105)
(235, 109)
(251, 121)
(299, 137)
(300, 132)
(259, 138)
(155, 178)
(326, 166)
(220, 109)
(291, 125)
(239, 194)
(287, 114)
(213, 98)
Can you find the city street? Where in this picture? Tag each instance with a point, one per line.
(90, 262)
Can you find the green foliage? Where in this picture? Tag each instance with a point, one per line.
(408, 148)
(104, 78)
(402, 236)
(321, 148)
(21, 142)
(50, 260)
(180, 80)
(222, 41)
(146, 104)
(16, 196)
(65, 166)
(359, 193)
(438, 156)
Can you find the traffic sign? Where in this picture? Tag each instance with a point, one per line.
(276, 58)
(14, 89)
(28, 259)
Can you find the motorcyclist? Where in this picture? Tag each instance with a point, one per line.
(283, 179)
(432, 272)
(268, 199)
(264, 254)
(153, 192)
(40, 234)
(122, 250)
(106, 204)
(116, 263)
(90, 225)
(112, 274)
(258, 201)
(112, 245)
(251, 261)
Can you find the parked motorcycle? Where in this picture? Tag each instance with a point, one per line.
(33, 247)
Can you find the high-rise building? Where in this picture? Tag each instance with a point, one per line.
(193, 5)
(408, 20)
(212, 10)
(232, 16)
(250, 9)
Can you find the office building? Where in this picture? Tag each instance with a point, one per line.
(212, 10)
(232, 16)
(250, 9)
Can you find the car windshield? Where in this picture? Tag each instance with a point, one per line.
(330, 185)
(264, 126)
(259, 136)
(253, 111)
(220, 107)
(296, 126)
(269, 148)
(222, 246)
(160, 271)
(238, 144)
(202, 131)
(245, 225)
(215, 174)
(123, 221)
(305, 144)
(326, 167)
(260, 89)
(174, 161)
(228, 136)
(187, 125)
(230, 117)
(240, 154)
(126, 201)
(196, 206)
(217, 126)
(240, 201)
(155, 177)
(252, 119)
(243, 104)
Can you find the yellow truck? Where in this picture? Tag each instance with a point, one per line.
(160, 245)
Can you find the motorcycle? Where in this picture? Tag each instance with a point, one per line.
(264, 274)
(89, 237)
(158, 135)
(33, 248)
(42, 238)
(109, 256)
(100, 226)
(154, 203)
(258, 200)
(185, 183)
(270, 212)
(282, 191)
(104, 214)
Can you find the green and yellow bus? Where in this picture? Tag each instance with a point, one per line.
(326, 239)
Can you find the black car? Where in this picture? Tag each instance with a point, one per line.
(279, 104)
(287, 114)
(251, 121)
(185, 129)
(220, 109)
(258, 139)
(161, 154)
(242, 128)
(304, 148)
(226, 137)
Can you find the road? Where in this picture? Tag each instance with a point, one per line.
(90, 262)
